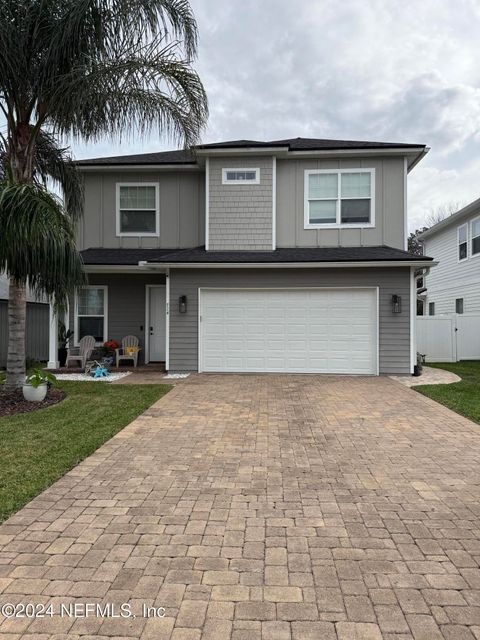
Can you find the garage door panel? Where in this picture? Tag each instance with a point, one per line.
(302, 330)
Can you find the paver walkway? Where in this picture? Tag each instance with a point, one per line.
(262, 507)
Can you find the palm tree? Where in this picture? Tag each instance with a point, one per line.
(81, 69)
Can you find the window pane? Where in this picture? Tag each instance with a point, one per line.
(459, 305)
(355, 211)
(431, 308)
(91, 327)
(235, 176)
(475, 228)
(137, 197)
(355, 185)
(138, 221)
(476, 245)
(462, 233)
(90, 302)
(462, 251)
(323, 212)
(323, 185)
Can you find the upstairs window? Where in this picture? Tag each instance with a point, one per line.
(431, 308)
(339, 198)
(459, 305)
(241, 176)
(462, 235)
(137, 209)
(476, 237)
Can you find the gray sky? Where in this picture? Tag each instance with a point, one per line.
(404, 71)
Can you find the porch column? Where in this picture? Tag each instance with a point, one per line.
(53, 340)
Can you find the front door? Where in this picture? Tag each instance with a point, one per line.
(157, 324)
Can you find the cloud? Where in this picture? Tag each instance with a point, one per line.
(383, 70)
(430, 188)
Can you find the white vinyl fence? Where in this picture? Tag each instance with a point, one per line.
(449, 338)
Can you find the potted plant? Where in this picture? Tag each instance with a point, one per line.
(64, 336)
(109, 351)
(36, 385)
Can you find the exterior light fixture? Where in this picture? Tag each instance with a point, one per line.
(182, 304)
(396, 303)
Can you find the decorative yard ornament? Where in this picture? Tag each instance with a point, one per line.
(101, 372)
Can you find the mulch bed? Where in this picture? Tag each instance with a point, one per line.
(14, 402)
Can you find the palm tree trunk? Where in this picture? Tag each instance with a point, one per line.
(21, 165)
(17, 313)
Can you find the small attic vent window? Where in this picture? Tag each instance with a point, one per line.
(240, 176)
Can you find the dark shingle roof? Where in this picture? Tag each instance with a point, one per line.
(123, 256)
(309, 144)
(200, 255)
(181, 156)
(187, 156)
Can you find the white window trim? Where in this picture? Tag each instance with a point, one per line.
(105, 313)
(141, 234)
(470, 243)
(458, 243)
(255, 181)
(338, 224)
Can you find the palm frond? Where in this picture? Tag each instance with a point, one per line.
(55, 163)
(151, 90)
(37, 242)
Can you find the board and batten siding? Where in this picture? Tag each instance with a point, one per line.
(394, 329)
(182, 210)
(240, 215)
(36, 332)
(126, 304)
(390, 212)
(451, 279)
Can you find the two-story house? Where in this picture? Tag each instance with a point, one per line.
(245, 256)
(454, 285)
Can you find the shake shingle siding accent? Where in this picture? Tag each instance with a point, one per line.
(394, 329)
(240, 215)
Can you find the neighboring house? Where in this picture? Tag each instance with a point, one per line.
(36, 330)
(454, 285)
(246, 256)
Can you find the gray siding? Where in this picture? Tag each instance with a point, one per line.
(240, 216)
(452, 279)
(126, 304)
(182, 210)
(389, 205)
(394, 329)
(36, 333)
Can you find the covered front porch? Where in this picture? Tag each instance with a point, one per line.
(115, 304)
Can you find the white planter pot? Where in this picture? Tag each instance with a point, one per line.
(34, 395)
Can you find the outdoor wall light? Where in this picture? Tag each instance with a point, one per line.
(396, 303)
(182, 304)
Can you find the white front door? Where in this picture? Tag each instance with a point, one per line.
(157, 324)
(289, 330)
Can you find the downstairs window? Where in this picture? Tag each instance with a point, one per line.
(91, 313)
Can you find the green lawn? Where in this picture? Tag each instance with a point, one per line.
(37, 448)
(464, 396)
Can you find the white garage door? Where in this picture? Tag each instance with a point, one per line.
(288, 330)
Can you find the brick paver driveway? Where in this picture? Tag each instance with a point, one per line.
(268, 507)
